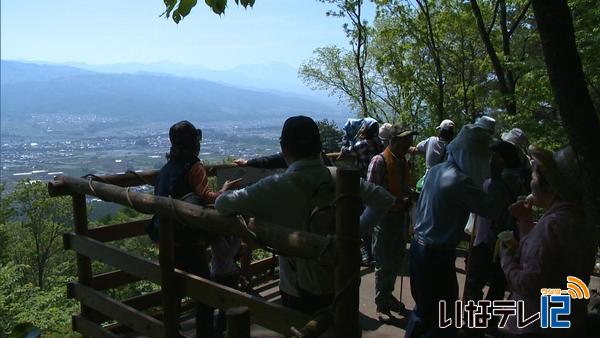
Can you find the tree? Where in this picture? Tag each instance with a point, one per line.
(37, 231)
(433, 47)
(179, 9)
(586, 22)
(430, 56)
(507, 79)
(555, 26)
(6, 211)
(357, 33)
(331, 135)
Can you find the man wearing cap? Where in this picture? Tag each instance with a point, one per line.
(451, 191)
(286, 200)
(391, 170)
(434, 147)
(559, 245)
(484, 268)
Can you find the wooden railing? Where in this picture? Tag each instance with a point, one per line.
(98, 307)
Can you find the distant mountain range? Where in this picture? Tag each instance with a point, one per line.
(132, 92)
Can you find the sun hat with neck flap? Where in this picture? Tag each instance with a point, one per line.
(562, 171)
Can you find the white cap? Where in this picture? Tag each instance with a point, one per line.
(486, 123)
(446, 124)
(385, 131)
(515, 137)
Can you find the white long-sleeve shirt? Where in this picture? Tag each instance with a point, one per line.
(278, 199)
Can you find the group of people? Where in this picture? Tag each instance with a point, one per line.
(472, 173)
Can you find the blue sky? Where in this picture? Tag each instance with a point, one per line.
(114, 31)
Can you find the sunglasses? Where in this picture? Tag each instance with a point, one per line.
(199, 133)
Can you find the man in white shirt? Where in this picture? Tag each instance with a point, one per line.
(287, 200)
(434, 147)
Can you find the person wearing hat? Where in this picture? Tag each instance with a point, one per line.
(483, 268)
(451, 191)
(517, 138)
(184, 177)
(366, 146)
(287, 199)
(385, 132)
(486, 123)
(434, 147)
(391, 170)
(559, 245)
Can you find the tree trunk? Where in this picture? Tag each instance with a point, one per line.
(359, 59)
(509, 97)
(437, 61)
(567, 79)
(491, 51)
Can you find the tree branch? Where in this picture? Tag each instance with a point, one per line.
(493, 22)
(519, 18)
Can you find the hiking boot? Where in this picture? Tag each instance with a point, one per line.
(396, 305)
(384, 316)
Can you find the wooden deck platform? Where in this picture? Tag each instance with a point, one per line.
(371, 327)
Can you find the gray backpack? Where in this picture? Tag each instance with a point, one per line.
(317, 276)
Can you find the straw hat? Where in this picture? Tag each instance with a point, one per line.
(561, 170)
(399, 131)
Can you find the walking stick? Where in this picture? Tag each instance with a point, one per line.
(470, 248)
(407, 221)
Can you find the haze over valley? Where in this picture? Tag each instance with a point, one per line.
(62, 119)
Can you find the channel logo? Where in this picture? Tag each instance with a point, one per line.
(555, 307)
(555, 303)
(576, 288)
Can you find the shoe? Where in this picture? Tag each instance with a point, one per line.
(384, 316)
(396, 305)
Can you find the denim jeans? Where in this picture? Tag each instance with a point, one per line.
(432, 278)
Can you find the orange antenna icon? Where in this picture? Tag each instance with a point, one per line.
(577, 289)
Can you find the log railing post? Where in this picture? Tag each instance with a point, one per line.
(84, 263)
(170, 297)
(238, 322)
(347, 247)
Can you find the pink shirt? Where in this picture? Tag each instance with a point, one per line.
(561, 244)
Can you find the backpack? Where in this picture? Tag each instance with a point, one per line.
(172, 182)
(317, 276)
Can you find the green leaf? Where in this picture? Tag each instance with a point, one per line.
(218, 6)
(170, 4)
(247, 3)
(176, 17)
(185, 6)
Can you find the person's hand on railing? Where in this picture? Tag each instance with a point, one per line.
(231, 185)
(241, 162)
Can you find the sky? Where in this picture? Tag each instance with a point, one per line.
(117, 31)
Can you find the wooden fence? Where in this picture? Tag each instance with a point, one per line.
(97, 307)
